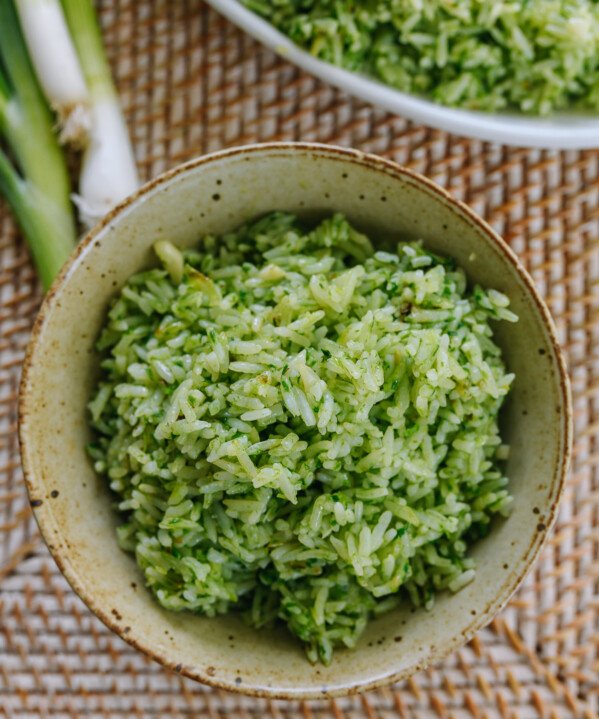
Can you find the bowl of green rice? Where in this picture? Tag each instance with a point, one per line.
(521, 73)
(294, 422)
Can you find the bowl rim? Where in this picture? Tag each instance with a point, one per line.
(561, 131)
(60, 552)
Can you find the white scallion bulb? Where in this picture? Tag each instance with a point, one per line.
(57, 66)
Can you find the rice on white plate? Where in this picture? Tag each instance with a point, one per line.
(300, 427)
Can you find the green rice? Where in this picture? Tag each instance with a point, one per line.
(300, 427)
(535, 55)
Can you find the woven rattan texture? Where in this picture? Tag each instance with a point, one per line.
(192, 83)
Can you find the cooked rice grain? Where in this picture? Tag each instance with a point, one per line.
(538, 56)
(301, 428)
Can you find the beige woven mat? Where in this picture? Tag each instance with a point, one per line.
(192, 83)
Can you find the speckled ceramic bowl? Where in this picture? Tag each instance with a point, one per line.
(74, 507)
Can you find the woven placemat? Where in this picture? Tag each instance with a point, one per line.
(192, 83)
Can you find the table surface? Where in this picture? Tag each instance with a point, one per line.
(192, 83)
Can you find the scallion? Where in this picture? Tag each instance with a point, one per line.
(55, 60)
(108, 172)
(33, 172)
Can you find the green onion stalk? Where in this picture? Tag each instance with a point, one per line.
(65, 45)
(33, 172)
(108, 169)
(59, 72)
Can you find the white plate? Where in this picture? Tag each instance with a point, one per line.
(565, 132)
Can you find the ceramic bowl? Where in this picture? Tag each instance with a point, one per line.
(74, 507)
